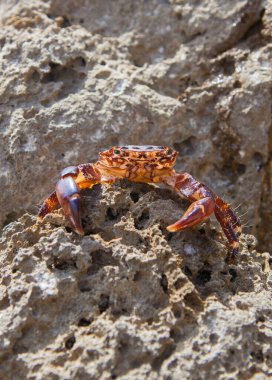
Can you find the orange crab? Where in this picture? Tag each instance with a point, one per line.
(150, 164)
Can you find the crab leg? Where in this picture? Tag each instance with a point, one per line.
(74, 178)
(50, 204)
(230, 224)
(196, 213)
(205, 202)
(68, 196)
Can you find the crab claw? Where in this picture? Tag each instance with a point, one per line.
(196, 213)
(69, 199)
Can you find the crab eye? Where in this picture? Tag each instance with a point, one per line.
(116, 151)
(169, 151)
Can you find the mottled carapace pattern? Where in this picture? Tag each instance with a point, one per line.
(149, 164)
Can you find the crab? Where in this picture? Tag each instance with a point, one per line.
(149, 164)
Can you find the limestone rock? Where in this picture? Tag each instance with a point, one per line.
(129, 300)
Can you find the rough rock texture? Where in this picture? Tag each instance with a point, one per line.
(129, 300)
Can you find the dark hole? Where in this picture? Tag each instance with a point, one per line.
(81, 21)
(186, 147)
(233, 274)
(228, 65)
(179, 283)
(137, 276)
(70, 342)
(178, 16)
(112, 214)
(261, 319)
(177, 312)
(258, 157)
(169, 235)
(83, 322)
(193, 301)
(10, 217)
(82, 61)
(85, 288)
(103, 63)
(103, 303)
(68, 229)
(188, 271)
(140, 223)
(113, 376)
(64, 265)
(255, 28)
(2, 42)
(175, 334)
(203, 277)
(65, 22)
(258, 356)
(164, 283)
(237, 84)
(54, 65)
(201, 231)
(214, 338)
(134, 196)
(241, 169)
(52, 76)
(61, 265)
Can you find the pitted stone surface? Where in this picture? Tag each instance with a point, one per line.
(129, 300)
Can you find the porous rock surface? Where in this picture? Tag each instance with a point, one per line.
(129, 300)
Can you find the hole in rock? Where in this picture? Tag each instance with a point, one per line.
(141, 221)
(176, 311)
(103, 303)
(166, 353)
(112, 214)
(83, 322)
(64, 264)
(227, 64)
(233, 274)
(70, 342)
(164, 283)
(186, 147)
(187, 271)
(180, 282)
(203, 276)
(193, 301)
(258, 356)
(213, 338)
(134, 196)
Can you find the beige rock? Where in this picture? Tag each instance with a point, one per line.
(129, 300)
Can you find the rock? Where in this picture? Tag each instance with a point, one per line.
(79, 78)
(129, 300)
